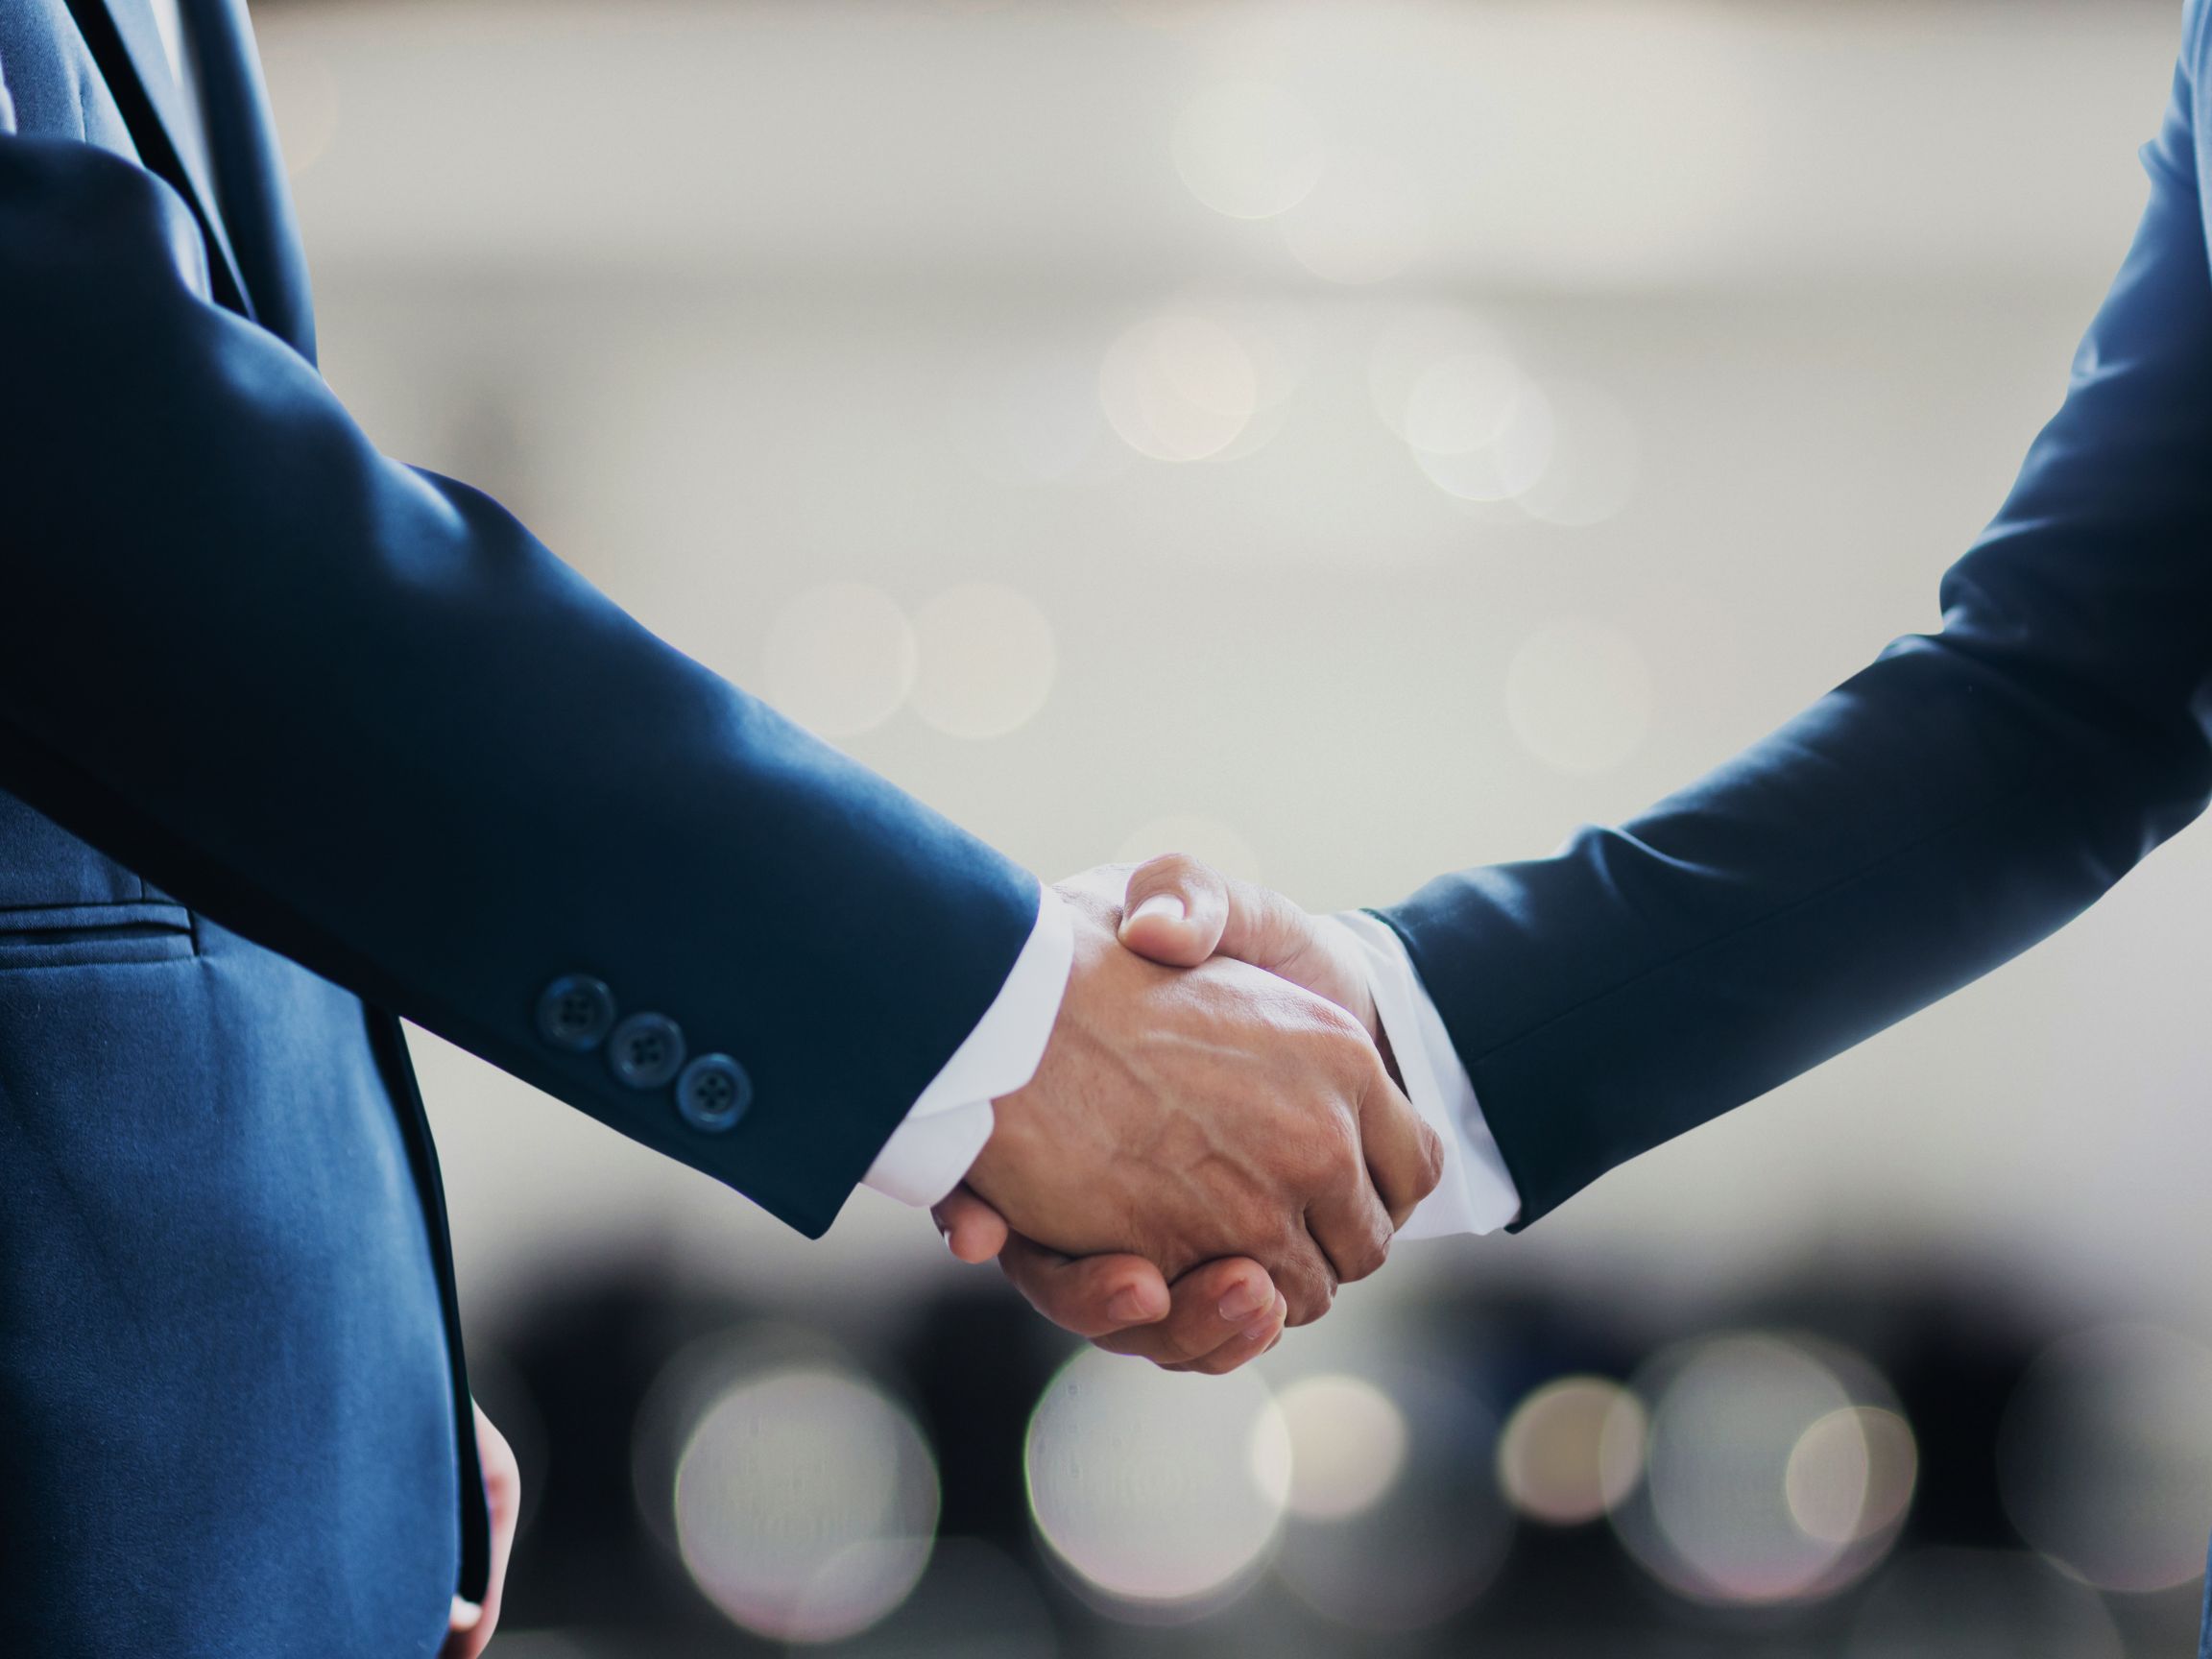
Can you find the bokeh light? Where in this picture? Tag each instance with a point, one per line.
(1178, 388)
(1509, 465)
(1744, 1445)
(1578, 695)
(1201, 837)
(2104, 1458)
(985, 661)
(805, 1503)
(1247, 150)
(1851, 1475)
(1411, 347)
(1156, 1488)
(1980, 1605)
(1571, 1450)
(1462, 401)
(1364, 222)
(1277, 337)
(1477, 426)
(1396, 1522)
(975, 1602)
(840, 658)
(1347, 1445)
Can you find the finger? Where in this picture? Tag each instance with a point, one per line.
(1404, 1157)
(1091, 1295)
(1175, 909)
(472, 1624)
(973, 1230)
(1256, 1338)
(1305, 1275)
(1181, 910)
(1215, 1305)
(461, 1631)
(1345, 1216)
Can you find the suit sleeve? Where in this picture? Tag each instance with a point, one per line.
(356, 712)
(1961, 798)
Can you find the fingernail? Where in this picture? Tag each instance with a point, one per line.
(465, 1615)
(1127, 1306)
(1244, 1299)
(1168, 906)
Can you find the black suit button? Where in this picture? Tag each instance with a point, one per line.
(646, 1050)
(713, 1093)
(575, 1013)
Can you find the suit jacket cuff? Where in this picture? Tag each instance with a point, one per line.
(1476, 1194)
(945, 1128)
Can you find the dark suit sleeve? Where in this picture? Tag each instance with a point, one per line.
(357, 713)
(1960, 799)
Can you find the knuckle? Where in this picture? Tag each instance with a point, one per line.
(1339, 1032)
(1339, 1156)
(1307, 1294)
(1374, 1249)
(1432, 1159)
(1167, 869)
(1333, 1134)
(1180, 1345)
(1133, 1345)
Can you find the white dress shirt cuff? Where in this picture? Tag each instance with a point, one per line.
(930, 1151)
(1477, 1194)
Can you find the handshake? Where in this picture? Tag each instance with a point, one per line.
(1213, 1139)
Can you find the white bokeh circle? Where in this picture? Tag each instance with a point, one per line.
(840, 658)
(805, 1503)
(1204, 838)
(1155, 1487)
(1178, 387)
(985, 661)
(1247, 150)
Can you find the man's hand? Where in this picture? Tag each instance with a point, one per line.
(471, 1631)
(1182, 1116)
(1180, 911)
(1213, 1319)
(1177, 911)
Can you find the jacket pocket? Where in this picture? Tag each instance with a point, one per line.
(94, 935)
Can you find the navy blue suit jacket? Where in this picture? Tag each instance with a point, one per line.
(294, 740)
(1969, 792)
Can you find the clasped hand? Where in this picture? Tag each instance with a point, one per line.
(1212, 1110)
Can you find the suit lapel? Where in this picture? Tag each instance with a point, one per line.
(250, 172)
(128, 49)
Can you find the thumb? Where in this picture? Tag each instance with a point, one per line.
(1175, 910)
(1180, 911)
(973, 1230)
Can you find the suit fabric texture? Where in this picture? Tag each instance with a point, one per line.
(296, 741)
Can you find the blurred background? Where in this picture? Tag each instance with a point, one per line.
(1346, 440)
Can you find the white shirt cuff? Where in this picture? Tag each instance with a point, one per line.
(1477, 1194)
(931, 1151)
